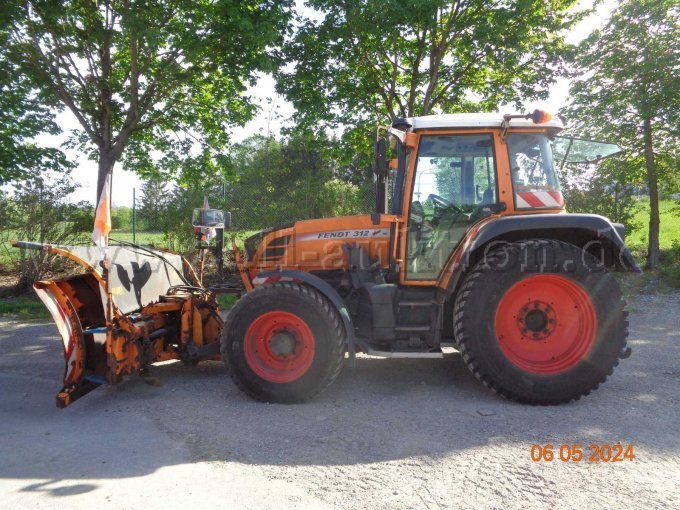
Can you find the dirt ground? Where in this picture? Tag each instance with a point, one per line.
(388, 434)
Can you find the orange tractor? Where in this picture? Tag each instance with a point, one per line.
(472, 248)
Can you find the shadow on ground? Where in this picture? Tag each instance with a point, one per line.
(381, 410)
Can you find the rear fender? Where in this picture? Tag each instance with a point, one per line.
(590, 232)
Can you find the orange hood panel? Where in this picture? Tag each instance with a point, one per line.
(316, 245)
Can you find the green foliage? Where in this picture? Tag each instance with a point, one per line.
(341, 198)
(175, 220)
(608, 190)
(23, 116)
(670, 225)
(670, 268)
(626, 88)
(226, 301)
(668, 168)
(278, 182)
(151, 203)
(146, 77)
(121, 218)
(38, 210)
(23, 308)
(373, 59)
(627, 72)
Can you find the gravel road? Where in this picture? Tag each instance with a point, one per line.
(389, 434)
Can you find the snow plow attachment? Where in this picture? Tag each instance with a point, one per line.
(154, 314)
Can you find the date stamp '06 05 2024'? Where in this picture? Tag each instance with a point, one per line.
(582, 453)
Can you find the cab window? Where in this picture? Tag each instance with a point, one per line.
(455, 178)
(534, 179)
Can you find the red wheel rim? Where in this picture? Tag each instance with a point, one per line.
(545, 324)
(279, 347)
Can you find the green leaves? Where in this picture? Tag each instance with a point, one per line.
(376, 59)
(630, 71)
(627, 88)
(23, 116)
(271, 182)
(155, 76)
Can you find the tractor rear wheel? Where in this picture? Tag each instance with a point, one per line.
(283, 342)
(540, 322)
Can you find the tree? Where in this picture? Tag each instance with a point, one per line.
(23, 117)
(152, 200)
(398, 58)
(145, 76)
(271, 182)
(609, 189)
(627, 89)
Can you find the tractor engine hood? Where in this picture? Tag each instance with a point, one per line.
(318, 244)
(253, 242)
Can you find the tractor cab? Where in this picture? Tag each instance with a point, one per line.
(453, 171)
(454, 184)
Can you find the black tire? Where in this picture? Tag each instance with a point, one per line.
(493, 279)
(317, 313)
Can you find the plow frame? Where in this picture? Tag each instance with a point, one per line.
(103, 344)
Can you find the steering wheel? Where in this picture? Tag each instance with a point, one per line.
(442, 203)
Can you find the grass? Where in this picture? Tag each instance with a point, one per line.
(226, 301)
(667, 275)
(669, 230)
(156, 238)
(23, 308)
(143, 238)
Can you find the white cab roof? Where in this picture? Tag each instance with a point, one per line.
(474, 120)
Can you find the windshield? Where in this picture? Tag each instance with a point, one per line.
(580, 151)
(533, 172)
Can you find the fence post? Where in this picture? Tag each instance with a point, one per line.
(134, 215)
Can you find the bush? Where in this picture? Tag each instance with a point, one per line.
(38, 211)
(669, 268)
(606, 190)
(121, 218)
(340, 198)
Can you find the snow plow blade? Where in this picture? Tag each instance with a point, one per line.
(156, 314)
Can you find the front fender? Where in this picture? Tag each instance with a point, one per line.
(324, 288)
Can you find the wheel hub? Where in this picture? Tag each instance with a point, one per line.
(545, 324)
(279, 346)
(282, 343)
(537, 320)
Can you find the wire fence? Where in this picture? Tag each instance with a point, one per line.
(163, 215)
(160, 215)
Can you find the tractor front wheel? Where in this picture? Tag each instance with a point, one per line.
(540, 321)
(283, 342)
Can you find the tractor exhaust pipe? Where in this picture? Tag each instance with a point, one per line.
(380, 169)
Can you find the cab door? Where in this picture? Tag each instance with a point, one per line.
(453, 176)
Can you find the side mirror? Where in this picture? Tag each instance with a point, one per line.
(380, 167)
(210, 218)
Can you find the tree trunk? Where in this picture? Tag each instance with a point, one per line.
(106, 163)
(652, 183)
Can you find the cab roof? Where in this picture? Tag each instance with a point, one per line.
(470, 120)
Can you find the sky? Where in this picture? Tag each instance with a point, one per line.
(272, 117)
